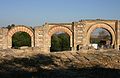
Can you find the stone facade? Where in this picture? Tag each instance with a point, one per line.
(79, 33)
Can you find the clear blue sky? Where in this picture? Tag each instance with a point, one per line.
(37, 12)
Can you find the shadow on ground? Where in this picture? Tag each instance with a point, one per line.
(41, 66)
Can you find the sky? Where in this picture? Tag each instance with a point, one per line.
(37, 12)
(97, 32)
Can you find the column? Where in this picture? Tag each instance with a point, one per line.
(117, 35)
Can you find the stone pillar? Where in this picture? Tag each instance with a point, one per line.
(5, 31)
(9, 41)
(32, 41)
(74, 37)
(117, 35)
(47, 39)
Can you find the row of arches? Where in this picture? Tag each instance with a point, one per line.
(61, 38)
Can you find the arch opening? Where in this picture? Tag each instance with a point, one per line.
(19, 28)
(20, 39)
(101, 37)
(105, 26)
(60, 41)
(60, 30)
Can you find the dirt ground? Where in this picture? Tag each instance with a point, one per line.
(97, 64)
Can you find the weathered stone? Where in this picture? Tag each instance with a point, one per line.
(24, 47)
(79, 33)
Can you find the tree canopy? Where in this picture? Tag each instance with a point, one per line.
(20, 39)
(60, 42)
(10, 26)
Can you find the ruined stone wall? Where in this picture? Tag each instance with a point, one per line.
(3, 38)
(19, 28)
(83, 29)
(52, 28)
(39, 37)
(91, 25)
(119, 32)
(79, 33)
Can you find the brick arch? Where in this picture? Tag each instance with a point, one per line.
(19, 28)
(56, 29)
(101, 25)
(60, 29)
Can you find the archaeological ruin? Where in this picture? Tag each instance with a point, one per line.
(79, 33)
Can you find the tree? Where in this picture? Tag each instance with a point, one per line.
(10, 26)
(60, 42)
(55, 43)
(21, 39)
(65, 41)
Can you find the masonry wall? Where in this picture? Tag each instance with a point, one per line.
(97, 23)
(118, 34)
(39, 37)
(78, 32)
(3, 38)
(52, 28)
(82, 27)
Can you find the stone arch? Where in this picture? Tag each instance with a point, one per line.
(19, 28)
(101, 25)
(60, 29)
